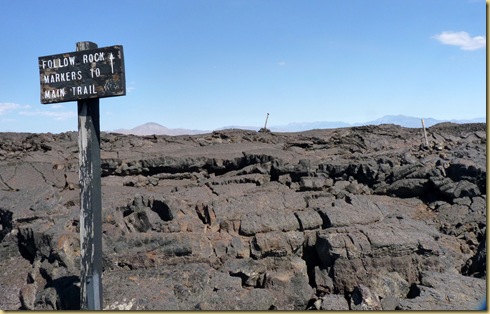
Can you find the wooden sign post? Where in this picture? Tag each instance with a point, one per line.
(86, 75)
(90, 200)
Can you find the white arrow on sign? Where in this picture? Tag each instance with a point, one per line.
(111, 57)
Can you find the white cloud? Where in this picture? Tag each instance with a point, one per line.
(131, 87)
(25, 110)
(462, 40)
(7, 107)
(281, 63)
(63, 115)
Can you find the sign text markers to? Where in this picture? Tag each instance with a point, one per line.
(94, 73)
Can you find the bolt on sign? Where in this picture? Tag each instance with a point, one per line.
(94, 73)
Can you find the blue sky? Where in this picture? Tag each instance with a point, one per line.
(203, 65)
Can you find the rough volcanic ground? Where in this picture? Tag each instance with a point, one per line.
(351, 218)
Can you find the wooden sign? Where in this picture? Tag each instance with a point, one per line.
(94, 73)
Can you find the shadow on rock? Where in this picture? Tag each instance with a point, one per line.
(68, 291)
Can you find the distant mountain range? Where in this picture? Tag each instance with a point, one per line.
(157, 129)
(405, 121)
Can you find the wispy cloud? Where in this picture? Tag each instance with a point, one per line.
(8, 107)
(131, 87)
(281, 63)
(462, 40)
(56, 115)
(26, 110)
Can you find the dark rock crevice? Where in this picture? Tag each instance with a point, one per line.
(5, 223)
(26, 244)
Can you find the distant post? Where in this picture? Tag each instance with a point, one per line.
(86, 75)
(265, 129)
(266, 118)
(425, 134)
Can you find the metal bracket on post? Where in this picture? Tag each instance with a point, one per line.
(90, 199)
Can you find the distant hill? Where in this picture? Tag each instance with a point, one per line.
(157, 129)
(408, 122)
(303, 126)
